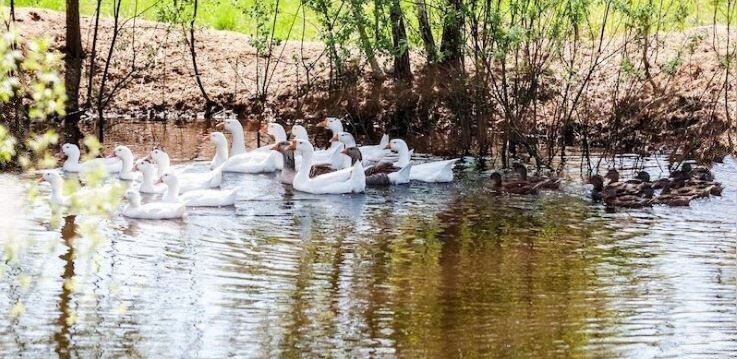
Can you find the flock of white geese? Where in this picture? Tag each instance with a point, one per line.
(342, 168)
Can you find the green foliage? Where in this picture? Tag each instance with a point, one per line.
(671, 66)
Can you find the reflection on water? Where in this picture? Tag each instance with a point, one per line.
(441, 270)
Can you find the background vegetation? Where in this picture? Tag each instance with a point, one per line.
(509, 78)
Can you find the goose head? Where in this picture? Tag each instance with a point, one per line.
(133, 198)
(275, 130)
(397, 145)
(301, 146)
(145, 167)
(169, 179)
(218, 139)
(159, 156)
(333, 124)
(124, 153)
(232, 126)
(354, 153)
(52, 178)
(70, 150)
(299, 132)
(345, 138)
(282, 146)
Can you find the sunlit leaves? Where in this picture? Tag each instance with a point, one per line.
(7, 145)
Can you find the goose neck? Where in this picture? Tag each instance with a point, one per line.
(304, 169)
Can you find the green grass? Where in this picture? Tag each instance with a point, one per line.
(232, 15)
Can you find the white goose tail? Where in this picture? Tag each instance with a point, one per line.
(401, 176)
(384, 140)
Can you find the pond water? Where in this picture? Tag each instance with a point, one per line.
(441, 270)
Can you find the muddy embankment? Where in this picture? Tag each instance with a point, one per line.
(681, 108)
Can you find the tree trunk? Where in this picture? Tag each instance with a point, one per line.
(402, 69)
(426, 32)
(73, 55)
(451, 45)
(364, 40)
(209, 104)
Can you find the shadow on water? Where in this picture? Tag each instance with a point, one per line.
(62, 336)
(410, 271)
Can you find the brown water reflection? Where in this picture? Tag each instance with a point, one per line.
(422, 270)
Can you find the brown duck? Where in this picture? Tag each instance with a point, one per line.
(523, 187)
(543, 181)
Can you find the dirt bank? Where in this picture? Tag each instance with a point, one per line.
(682, 112)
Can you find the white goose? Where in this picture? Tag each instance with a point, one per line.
(126, 157)
(57, 198)
(236, 130)
(148, 172)
(370, 154)
(335, 126)
(439, 171)
(72, 164)
(221, 149)
(250, 162)
(153, 210)
(276, 131)
(349, 180)
(300, 133)
(196, 198)
(187, 181)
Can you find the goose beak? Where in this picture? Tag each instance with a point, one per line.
(205, 138)
(220, 126)
(335, 138)
(40, 179)
(344, 151)
(292, 146)
(275, 148)
(323, 123)
(388, 146)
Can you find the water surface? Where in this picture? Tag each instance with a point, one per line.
(444, 270)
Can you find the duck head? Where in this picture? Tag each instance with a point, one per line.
(520, 170)
(643, 176)
(496, 179)
(612, 174)
(598, 182)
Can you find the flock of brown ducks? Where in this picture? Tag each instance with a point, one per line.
(684, 185)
